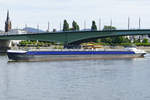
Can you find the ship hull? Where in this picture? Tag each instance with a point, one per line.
(54, 57)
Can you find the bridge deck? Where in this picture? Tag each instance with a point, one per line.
(72, 36)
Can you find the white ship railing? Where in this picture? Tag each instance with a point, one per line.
(79, 50)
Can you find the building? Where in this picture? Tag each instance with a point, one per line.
(16, 31)
(9, 30)
(7, 23)
(138, 37)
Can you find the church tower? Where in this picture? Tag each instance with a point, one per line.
(7, 23)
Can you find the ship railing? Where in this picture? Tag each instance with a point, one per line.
(66, 50)
(78, 50)
(116, 50)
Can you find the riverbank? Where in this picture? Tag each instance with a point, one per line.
(147, 49)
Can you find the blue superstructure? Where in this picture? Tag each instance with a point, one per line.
(77, 52)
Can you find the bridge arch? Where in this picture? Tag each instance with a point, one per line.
(92, 35)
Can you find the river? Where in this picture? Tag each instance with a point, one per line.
(125, 79)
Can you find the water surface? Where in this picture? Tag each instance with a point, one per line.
(126, 79)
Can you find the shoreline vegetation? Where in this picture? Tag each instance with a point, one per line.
(47, 44)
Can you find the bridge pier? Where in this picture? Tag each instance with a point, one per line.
(72, 46)
(4, 45)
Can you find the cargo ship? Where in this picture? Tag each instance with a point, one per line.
(73, 54)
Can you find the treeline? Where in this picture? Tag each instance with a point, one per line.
(34, 43)
(76, 27)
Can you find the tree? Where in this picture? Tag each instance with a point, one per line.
(114, 40)
(78, 28)
(75, 26)
(94, 27)
(65, 26)
(107, 40)
(137, 41)
(145, 40)
(109, 28)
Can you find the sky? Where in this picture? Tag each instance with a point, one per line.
(39, 12)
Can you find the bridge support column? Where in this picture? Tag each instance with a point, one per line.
(4, 45)
(72, 46)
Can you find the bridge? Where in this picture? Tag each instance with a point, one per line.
(71, 37)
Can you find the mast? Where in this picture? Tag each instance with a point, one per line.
(48, 27)
(128, 23)
(139, 23)
(84, 25)
(100, 24)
